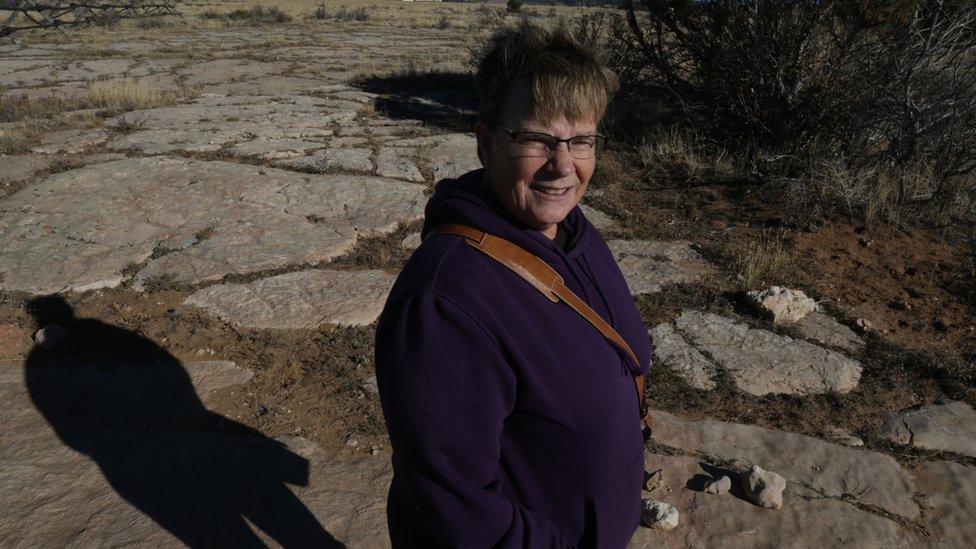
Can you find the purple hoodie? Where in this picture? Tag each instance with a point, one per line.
(513, 421)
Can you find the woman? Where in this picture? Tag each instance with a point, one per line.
(512, 419)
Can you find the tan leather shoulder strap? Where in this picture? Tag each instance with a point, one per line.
(544, 278)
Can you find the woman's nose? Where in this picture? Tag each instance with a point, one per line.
(560, 161)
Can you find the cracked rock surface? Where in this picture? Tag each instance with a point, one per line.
(648, 265)
(758, 362)
(188, 221)
(304, 299)
(948, 427)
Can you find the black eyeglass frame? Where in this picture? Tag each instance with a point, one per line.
(599, 142)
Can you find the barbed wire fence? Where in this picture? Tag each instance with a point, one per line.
(25, 15)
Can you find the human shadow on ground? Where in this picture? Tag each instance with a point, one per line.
(439, 98)
(129, 405)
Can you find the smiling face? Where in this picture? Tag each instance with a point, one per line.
(540, 191)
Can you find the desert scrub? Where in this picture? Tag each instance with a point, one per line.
(255, 15)
(112, 96)
(342, 14)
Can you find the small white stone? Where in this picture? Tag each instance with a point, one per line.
(369, 385)
(659, 515)
(783, 304)
(718, 486)
(654, 481)
(764, 488)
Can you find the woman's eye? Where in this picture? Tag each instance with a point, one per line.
(582, 142)
(534, 141)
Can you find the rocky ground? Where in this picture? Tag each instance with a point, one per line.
(223, 255)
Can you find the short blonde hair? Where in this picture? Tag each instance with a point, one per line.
(562, 77)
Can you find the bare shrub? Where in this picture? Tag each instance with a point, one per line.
(342, 14)
(513, 6)
(255, 15)
(889, 88)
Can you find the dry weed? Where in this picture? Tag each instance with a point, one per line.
(19, 138)
(765, 259)
(122, 94)
(682, 153)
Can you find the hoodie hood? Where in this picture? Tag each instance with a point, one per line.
(470, 200)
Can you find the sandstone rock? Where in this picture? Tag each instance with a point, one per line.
(659, 515)
(719, 486)
(654, 481)
(369, 385)
(648, 265)
(271, 149)
(398, 162)
(672, 351)
(949, 427)
(843, 436)
(353, 160)
(760, 362)
(600, 220)
(20, 167)
(810, 519)
(411, 241)
(449, 155)
(303, 299)
(782, 304)
(764, 488)
(213, 121)
(948, 494)
(224, 218)
(70, 141)
(823, 329)
(825, 469)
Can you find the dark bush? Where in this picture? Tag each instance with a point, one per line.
(885, 86)
(514, 6)
(256, 15)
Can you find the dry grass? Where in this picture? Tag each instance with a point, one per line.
(123, 94)
(765, 260)
(19, 138)
(111, 96)
(683, 154)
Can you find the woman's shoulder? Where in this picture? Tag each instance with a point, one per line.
(445, 266)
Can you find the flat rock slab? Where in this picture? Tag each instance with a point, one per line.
(449, 155)
(13, 341)
(214, 121)
(17, 168)
(344, 159)
(823, 329)
(671, 350)
(831, 470)
(649, 265)
(82, 469)
(806, 519)
(186, 221)
(758, 362)
(949, 503)
(598, 219)
(70, 141)
(398, 162)
(271, 149)
(304, 299)
(947, 427)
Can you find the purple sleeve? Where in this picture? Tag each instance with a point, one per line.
(446, 390)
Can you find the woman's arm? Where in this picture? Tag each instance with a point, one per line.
(446, 390)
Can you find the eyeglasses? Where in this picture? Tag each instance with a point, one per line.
(535, 144)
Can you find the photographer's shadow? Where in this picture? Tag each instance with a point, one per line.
(128, 404)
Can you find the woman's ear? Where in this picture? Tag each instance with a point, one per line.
(482, 132)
